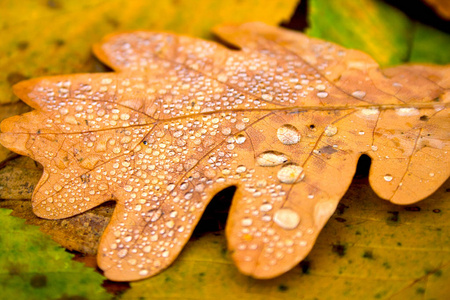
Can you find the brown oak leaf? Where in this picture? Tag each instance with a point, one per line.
(284, 119)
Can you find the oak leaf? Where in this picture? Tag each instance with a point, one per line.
(285, 119)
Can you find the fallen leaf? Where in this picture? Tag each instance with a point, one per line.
(285, 120)
(360, 254)
(34, 267)
(442, 7)
(379, 29)
(29, 49)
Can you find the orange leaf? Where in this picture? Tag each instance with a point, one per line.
(285, 119)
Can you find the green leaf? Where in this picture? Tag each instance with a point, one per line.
(32, 266)
(368, 25)
(378, 29)
(430, 45)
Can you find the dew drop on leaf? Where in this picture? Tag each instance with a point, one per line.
(288, 134)
(271, 158)
(290, 173)
(322, 94)
(240, 139)
(359, 94)
(286, 218)
(247, 222)
(388, 177)
(241, 169)
(265, 207)
(331, 130)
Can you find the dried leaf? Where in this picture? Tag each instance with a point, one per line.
(30, 49)
(285, 120)
(441, 7)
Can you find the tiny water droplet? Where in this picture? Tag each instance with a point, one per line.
(241, 169)
(246, 222)
(266, 97)
(265, 207)
(388, 177)
(240, 139)
(122, 253)
(359, 94)
(286, 218)
(322, 94)
(288, 134)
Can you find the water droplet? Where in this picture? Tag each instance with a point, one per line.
(265, 207)
(63, 111)
(374, 148)
(359, 94)
(184, 186)
(370, 111)
(288, 134)
(388, 177)
(286, 218)
(122, 253)
(226, 131)
(246, 222)
(290, 173)
(361, 132)
(331, 130)
(266, 97)
(240, 139)
(190, 163)
(407, 111)
(322, 94)
(154, 215)
(271, 158)
(431, 174)
(321, 87)
(222, 77)
(322, 212)
(241, 169)
(143, 272)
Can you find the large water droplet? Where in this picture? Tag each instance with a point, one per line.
(330, 130)
(286, 218)
(288, 134)
(290, 173)
(271, 158)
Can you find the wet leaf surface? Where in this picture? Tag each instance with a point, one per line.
(362, 253)
(285, 119)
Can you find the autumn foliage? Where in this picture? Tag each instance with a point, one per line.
(285, 119)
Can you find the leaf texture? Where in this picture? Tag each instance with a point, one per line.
(285, 119)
